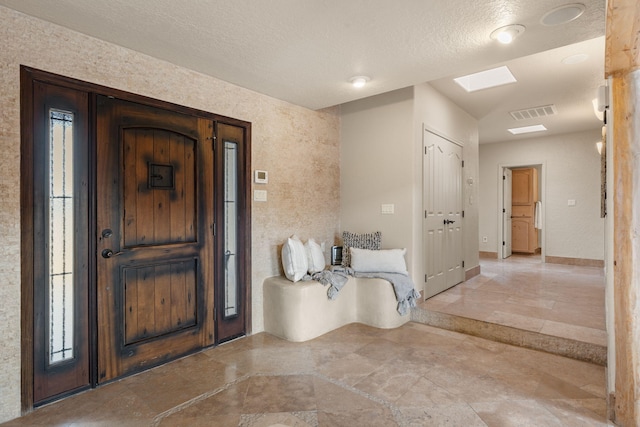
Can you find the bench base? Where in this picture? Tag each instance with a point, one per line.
(301, 311)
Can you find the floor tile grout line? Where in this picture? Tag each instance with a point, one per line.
(184, 405)
(397, 415)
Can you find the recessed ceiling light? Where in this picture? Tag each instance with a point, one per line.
(575, 59)
(563, 14)
(486, 79)
(527, 129)
(506, 35)
(359, 81)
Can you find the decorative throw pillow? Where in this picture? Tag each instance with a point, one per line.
(315, 256)
(294, 259)
(381, 261)
(358, 240)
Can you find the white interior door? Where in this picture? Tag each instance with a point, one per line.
(442, 199)
(507, 184)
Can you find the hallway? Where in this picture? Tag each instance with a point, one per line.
(522, 301)
(522, 292)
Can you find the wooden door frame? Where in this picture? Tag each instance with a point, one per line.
(28, 76)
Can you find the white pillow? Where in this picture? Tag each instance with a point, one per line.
(315, 256)
(381, 261)
(294, 259)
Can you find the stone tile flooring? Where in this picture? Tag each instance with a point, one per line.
(415, 375)
(559, 300)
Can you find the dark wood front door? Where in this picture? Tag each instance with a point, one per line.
(155, 218)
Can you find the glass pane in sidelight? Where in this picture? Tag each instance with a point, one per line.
(61, 237)
(231, 229)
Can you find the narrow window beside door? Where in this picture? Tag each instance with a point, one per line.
(230, 229)
(61, 248)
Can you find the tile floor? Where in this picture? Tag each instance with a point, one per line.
(415, 375)
(559, 300)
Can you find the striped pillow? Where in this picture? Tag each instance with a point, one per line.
(369, 241)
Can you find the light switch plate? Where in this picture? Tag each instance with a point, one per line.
(260, 195)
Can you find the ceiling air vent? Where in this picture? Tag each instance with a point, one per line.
(535, 112)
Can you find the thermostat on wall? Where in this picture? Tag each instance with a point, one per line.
(261, 177)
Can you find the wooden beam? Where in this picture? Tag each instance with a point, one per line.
(622, 39)
(622, 65)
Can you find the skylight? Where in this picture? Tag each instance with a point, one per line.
(486, 79)
(527, 129)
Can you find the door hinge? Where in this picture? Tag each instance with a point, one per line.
(462, 214)
(504, 178)
(425, 278)
(425, 214)
(504, 211)
(463, 163)
(462, 264)
(503, 244)
(425, 151)
(214, 229)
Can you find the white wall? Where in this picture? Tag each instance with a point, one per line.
(299, 148)
(572, 171)
(381, 162)
(377, 167)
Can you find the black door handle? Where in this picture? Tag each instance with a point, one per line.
(108, 253)
(448, 221)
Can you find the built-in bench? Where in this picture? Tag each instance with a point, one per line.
(301, 311)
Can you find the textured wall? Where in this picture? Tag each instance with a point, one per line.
(572, 169)
(299, 148)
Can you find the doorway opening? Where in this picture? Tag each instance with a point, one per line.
(521, 209)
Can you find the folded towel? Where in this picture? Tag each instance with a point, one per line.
(537, 217)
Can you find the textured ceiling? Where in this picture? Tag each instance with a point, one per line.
(304, 52)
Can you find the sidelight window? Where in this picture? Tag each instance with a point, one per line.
(230, 229)
(60, 248)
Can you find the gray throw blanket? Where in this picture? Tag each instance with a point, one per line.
(337, 277)
(402, 286)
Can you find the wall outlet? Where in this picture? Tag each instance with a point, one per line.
(484, 239)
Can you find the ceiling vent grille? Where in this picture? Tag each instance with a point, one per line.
(534, 113)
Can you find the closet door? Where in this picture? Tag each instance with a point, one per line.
(442, 199)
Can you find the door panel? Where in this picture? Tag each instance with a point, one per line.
(159, 299)
(155, 236)
(442, 198)
(453, 193)
(507, 214)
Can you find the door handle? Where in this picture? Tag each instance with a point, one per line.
(108, 253)
(448, 221)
